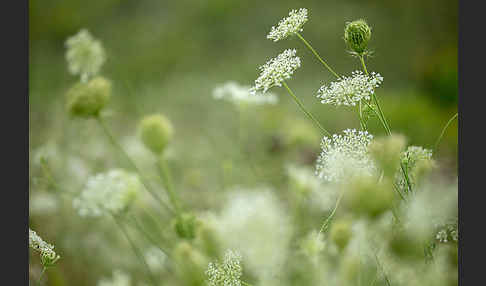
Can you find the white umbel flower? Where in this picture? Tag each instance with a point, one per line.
(238, 94)
(108, 193)
(276, 70)
(289, 26)
(47, 254)
(350, 90)
(345, 155)
(226, 274)
(85, 55)
(119, 278)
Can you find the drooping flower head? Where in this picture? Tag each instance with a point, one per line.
(238, 94)
(226, 274)
(289, 26)
(85, 55)
(276, 70)
(345, 155)
(47, 254)
(108, 193)
(350, 90)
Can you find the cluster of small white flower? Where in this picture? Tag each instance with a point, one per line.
(350, 90)
(226, 274)
(119, 278)
(345, 155)
(239, 94)
(289, 25)
(85, 55)
(276, 70)
(46, 250)
(108, 193)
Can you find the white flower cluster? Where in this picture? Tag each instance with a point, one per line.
(120, 278)
(447, 233)
(345, 155)
(350, 90)
(47, 254)
(410, 160)
(85, 55)
(110, 192)
(276, 70)
(226, 274)
(239, 94)
(289, 26)
(250, 212)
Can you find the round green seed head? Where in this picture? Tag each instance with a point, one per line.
(156, 131)
(185, 226)
(367, 197)
(341, 233)
(357, 34)
(87, 99)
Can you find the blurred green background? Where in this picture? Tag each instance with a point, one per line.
(167, 56)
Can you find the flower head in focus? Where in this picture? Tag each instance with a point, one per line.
(345, 155)
(276, 70)
(47, 254)
(289, 25)
(226, 274)
(350, 90)
(108, 193)
(85, 55)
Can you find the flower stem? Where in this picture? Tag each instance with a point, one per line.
(302, 107)
(385, 123)
(136, 250)
(326, 223)
(169, 186)
(115, 143)
(317, 55)
(443, 131)
(40, 276)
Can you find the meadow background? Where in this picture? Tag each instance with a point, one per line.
(167, 56)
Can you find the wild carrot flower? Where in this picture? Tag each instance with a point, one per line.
(85, 55)
(415, 160)
(276, 70)
(119, 278)
(108, 193)
(344, 155)
(350, 90)
(47, 254)
(289, 26)
(238, 94)
(226, 274)
(356, 35)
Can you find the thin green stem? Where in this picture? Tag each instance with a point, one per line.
(40, 276)
(169, 186)
(302, 107)
(244, 283)
(115, 143)
(326, 223)
(317, 55)
(135, 250)
(443, 131)
(385, 124)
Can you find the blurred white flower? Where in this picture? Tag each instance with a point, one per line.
(110, 192)
(238, 94)
(119, 278)
(289, 25)
(155, 258)
(350, 90)
(276, 70)
(345, 155)
(226, 274)
(43, 203)
(85, 55)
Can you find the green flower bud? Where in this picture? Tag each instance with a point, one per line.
(156, 132)
(366, 196)
(87, 99)
(387, 151)
(341, 233)
(357, 34)
(185, 226)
